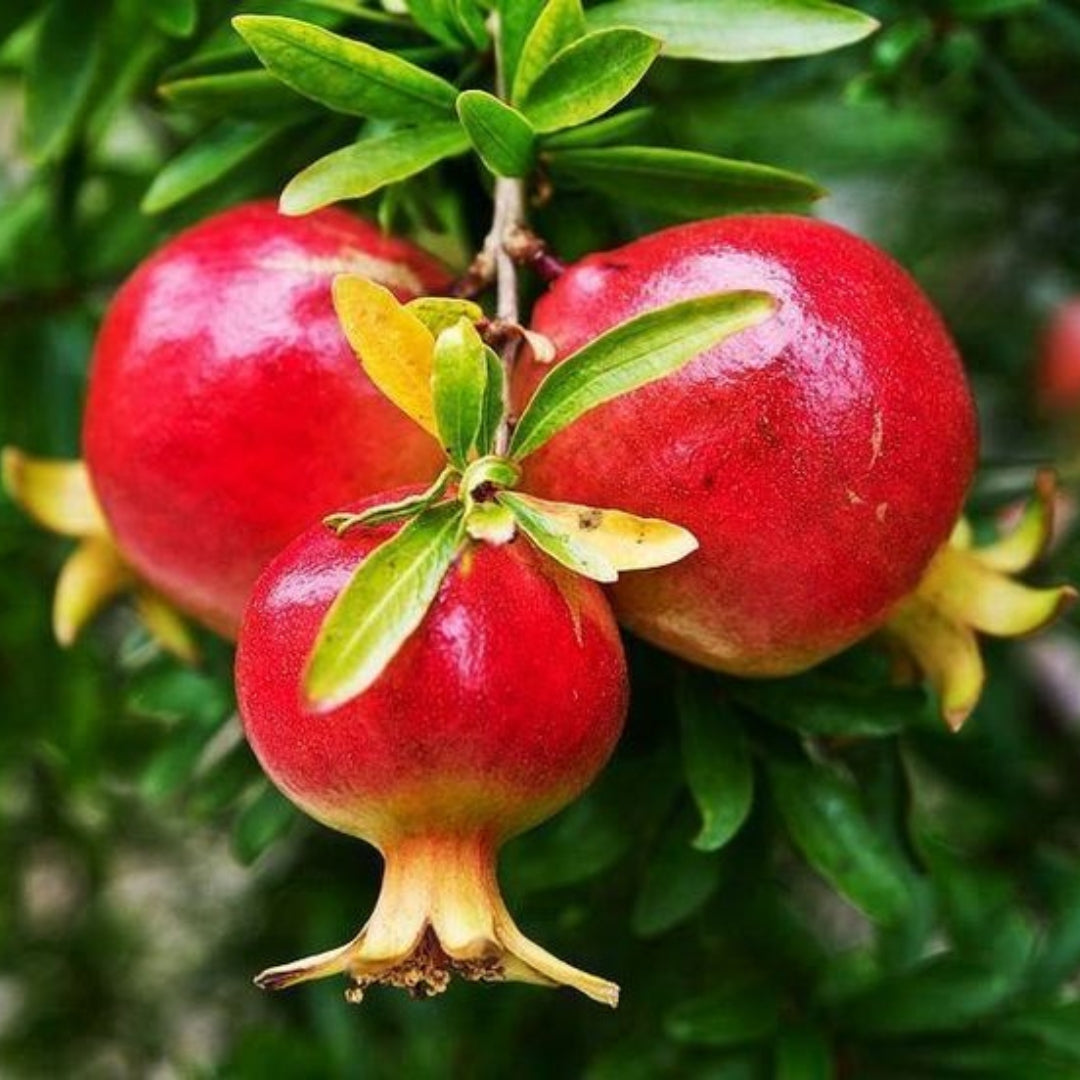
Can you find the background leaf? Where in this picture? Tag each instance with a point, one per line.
(588, 78)
(739, 30)
(347, 76)
(682, 182)
(371, 164)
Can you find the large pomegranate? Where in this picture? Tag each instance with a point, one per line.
(499, 709)
(226, 410)
(820, 459)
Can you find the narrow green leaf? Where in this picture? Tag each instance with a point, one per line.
(176, 18)
(494, 402)
(203, 163)
(236, 94)
(942, 994)
(13, 13)
(739, 30)
(612, 129)
(261, 823)
(457, 23)
(716, 761)
(559, 24)
(683, 182)
(64, 63)
(827, 822)
(631, 355)
(516, 20)
(739, 1013)
(553, 539)
(588, 78)
(344, 75)
(365, 166)
(678, 882)
(502, 137)
(383, 603)
(458, 382)
(410, 506)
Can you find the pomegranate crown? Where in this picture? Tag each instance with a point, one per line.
(433, 358)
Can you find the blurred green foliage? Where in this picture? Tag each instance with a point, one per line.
(802, 879)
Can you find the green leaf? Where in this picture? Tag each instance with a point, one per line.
(588, 78)
(633, 354)
(683, 182)
(236, 94)
(516, 20)
(458, 382)
(358, 170)
(612, 129)
(819, 704)
(716, 761)
(739, 30)
(829, 825)
(176, 18)
(943, 994)
(554, 540)
(384, 602)
(61, 72)
(456, 23)
(678, 882)
(410, 506)
(739, 1013)
(561, 23)
(494, 402)
(205, 162)
(439, 313)
(502, 137)
(347, 76)
(261, 824)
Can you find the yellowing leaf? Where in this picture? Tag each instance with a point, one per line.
(165, 625)
(394, 347)
(624, 541)
(56, 494)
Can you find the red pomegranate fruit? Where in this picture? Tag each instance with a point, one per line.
(226, 410)
(495, 713)
(1058, 372)
(820, 458)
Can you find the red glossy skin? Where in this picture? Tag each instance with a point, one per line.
(502, 706)
(820, 458)
(226, 410)
(1059, 363)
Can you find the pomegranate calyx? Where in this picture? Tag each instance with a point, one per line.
(968, 589)
(57, 494)
(439, 914)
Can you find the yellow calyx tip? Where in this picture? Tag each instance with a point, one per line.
(439, 914)
(968, 589)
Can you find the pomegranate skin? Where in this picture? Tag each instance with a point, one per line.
(226, 411)
(496, 712)
(820, 459)
(1058, 373)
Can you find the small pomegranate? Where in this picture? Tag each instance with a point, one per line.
(219, 379)
(495, 713)
(820, 458)
(1058, 372)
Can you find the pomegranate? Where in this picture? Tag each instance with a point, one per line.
(495, 713)
(1058, 372)
(219, 380)
(820, 458)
